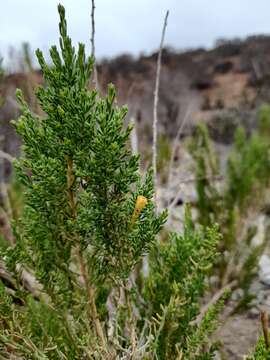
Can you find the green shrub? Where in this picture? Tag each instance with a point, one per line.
(175, 286)
(236, 198)
(87, 223)
(261, 352)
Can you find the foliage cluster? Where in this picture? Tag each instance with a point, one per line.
(86, 227)
(236, 198)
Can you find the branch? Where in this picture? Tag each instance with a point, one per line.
(6, 156)
(27, 280)
(156, 94)
(134, 137)
(218, 295)
(93, 50)
(264, 322)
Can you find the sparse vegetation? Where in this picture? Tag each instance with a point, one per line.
(236, 199)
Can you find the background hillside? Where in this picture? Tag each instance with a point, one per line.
(224, 87)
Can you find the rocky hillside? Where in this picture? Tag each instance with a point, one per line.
(223, 86)
(231, 79)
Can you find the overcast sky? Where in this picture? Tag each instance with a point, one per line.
(132, 26)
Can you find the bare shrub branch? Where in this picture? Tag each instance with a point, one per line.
(93, 48)
(156, 94)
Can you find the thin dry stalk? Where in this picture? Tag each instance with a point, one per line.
(156, 97)
(209, 178)
(26, 279)
(264, 322)
(4, 155)
(6, 212)
(131, 322)
(134, 137)
(218, 295)
(93, 48)
(5, 228)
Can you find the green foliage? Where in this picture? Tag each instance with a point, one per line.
(16, 198)
(261, 352)
(163, 156)
(87, 223)
(81, 180)
(264, 120)
(27, 56)
(206, 169)
(234, 202)
(1, 68)
(175, 286)
(81, 185)
(11, 204)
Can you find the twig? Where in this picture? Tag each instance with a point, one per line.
(208, 178)
(5, 226)
(6, 213)
(134, 137)
(6, 156)
(131, 322)
(93, 50)
(256, 68)
(161, 322)
(155, 117)
(27, 280)
(264, 322)
(218, 295)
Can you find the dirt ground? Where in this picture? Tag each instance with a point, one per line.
(239, 333)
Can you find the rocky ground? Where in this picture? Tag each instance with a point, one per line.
(239, 332)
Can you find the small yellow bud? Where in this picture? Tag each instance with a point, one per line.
(141, 202)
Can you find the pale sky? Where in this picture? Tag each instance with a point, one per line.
(132, 26)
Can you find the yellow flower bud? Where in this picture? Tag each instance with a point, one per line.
(141, 202)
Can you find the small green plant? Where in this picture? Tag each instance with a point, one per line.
(262, 349)
(1, 68)
(11, 205)
(87, 223)
(236, 198)
(164, 154)
(175, 285)
(27, 58)
(261, 352)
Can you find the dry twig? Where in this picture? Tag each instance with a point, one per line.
(93, 50)
(218, 295)
(134, 137)
(4, 155)
(156, 93)
(264, 322)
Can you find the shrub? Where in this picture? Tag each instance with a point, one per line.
(174, 287)
(260, 352)
(236, 199)
(87, 222)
